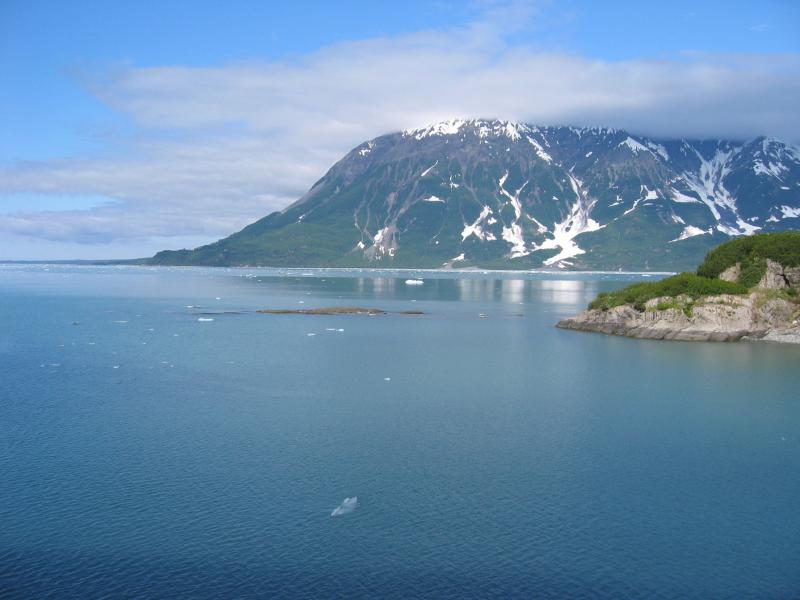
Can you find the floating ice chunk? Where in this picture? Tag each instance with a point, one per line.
(217, 298)
(311, 334)
(204, 320)
(387, 378)
(330, 329)
(120, 322)
(116, 366)
(348, 505)
(340, 330)
(414, 282)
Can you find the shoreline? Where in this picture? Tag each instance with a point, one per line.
(720, 318)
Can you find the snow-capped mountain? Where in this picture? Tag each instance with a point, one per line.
(503, 194)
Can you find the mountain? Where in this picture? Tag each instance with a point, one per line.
(501, 194)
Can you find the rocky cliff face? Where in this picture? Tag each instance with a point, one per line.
(767, 313)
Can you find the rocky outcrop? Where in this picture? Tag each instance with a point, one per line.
(773, 278)
(768, 313)
(731, 273)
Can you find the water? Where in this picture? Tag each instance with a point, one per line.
(147, 454)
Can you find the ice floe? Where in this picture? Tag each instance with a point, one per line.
(347, 506)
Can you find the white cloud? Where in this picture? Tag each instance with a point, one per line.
(218, 147)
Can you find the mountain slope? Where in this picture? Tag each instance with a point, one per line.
(509, 195)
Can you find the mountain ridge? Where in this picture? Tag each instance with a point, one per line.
(503, 194)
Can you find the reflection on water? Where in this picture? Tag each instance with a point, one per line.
(572, 292)
(569, 291)
(566, 291)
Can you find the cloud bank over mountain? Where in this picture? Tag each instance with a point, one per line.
(213, 148)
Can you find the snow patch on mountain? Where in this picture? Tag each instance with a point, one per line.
(513, 200)
(789, 212)
(658, 149)
(708, 183)
(383, 243)
(509, 129)
(634, 146)
(476, 229)
(429, 169)
(540, 151)
(366, 149)
(769, 168)
(513, 235)
(448, 127)
(576, 223)
(690, 231)
(647, 194)
(682, 198)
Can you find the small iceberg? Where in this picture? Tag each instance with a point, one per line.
(414, 282)
(204, 320)
(348, 505)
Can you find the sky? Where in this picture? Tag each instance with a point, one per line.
(129, 127)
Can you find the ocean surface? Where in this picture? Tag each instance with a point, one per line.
(161, 439)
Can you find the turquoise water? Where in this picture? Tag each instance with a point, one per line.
(147, 454)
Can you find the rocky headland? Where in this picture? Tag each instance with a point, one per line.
(719, 303)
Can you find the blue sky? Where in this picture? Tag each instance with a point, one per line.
(134, 126)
